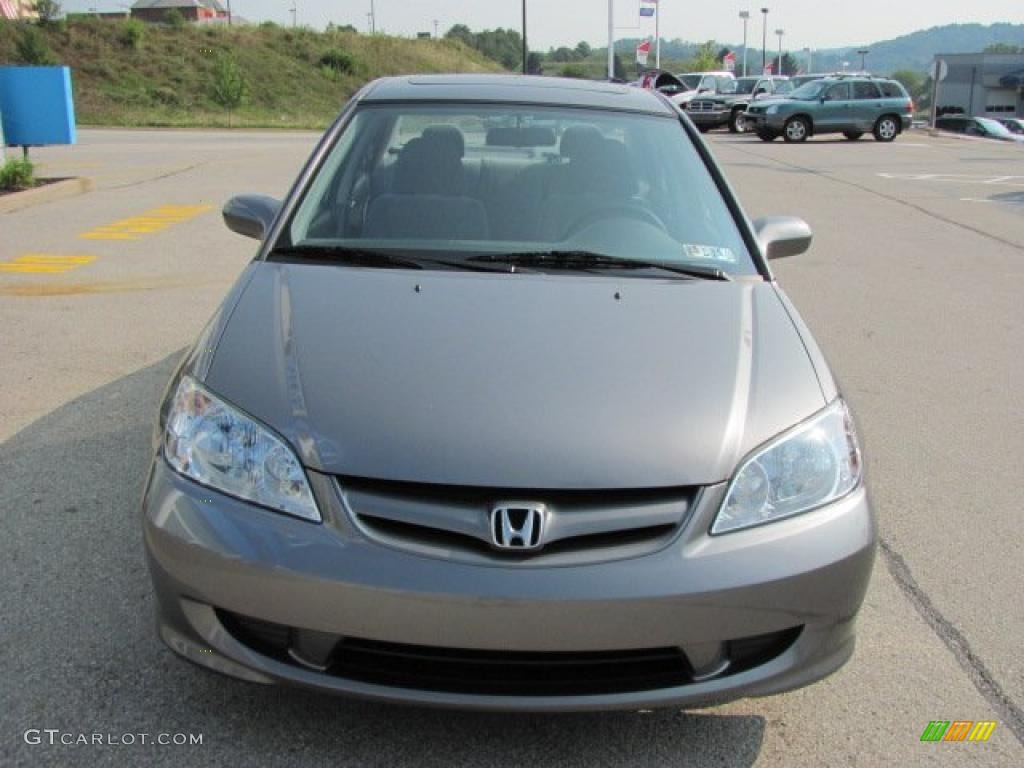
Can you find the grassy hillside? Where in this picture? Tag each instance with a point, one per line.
(127, 73)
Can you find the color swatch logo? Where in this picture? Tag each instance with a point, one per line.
(958, 730)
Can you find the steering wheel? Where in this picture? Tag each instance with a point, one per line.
(612, 212)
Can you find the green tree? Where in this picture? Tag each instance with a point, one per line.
(564, 53)
(229, 87)
(790, 66)
(463, 33)
(175, 19)
(48, 11)
(619, 67)
(534, 63)
(1003, 48)
(33, 49)
(583, 49)
(705, 58)
(573, 70)
(910, 79)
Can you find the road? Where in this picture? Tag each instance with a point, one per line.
(913, 289)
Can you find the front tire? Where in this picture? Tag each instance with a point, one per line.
(853, 135)
(797, 130)
(737, 122)
(767, 135)
(886, 129)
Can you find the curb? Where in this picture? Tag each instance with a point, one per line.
(58, 190)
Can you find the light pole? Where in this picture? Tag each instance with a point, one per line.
(808, 52)
(524, 37)
(611, 39)
(373, 19)
(780, 33)
(229, 13)
(294, 11)
(435, 29)
(764, 39)
(745, 15)
(863, 52)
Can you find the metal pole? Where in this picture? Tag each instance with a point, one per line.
(808, 52)
(657, 36)
(373, 19)
(745, 15)
(229, 13)
(764, 39)
(780, 33)
(611, 39)
(524, 37)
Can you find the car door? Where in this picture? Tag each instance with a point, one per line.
(867, 106)
(835, 113)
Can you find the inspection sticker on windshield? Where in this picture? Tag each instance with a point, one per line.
(709, 253)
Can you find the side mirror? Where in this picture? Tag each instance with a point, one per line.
(782, 236)
(250, 215)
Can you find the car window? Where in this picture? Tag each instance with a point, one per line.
(862, 89)
(809, 91)
(783, 86)
(892, 90)
(506, 179)
(838, 92)
(690, 81)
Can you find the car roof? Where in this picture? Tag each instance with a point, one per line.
(516, 89)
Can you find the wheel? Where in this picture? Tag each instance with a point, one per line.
(703, 128)
(853, 135)
(887, 128)
(797, 129)
(737, 122)
(767, 135)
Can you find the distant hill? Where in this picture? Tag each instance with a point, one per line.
(916, 50)
(913, 51)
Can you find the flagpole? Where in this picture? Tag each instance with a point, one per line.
(657, 36)
(611, 39)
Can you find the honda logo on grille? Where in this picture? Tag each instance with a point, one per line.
(518, 526)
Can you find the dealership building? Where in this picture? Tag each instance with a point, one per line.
(982, 84)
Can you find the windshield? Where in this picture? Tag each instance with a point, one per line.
(809, 91)
(743, 85)
(690, 81)
(994, 127)
(461, 180)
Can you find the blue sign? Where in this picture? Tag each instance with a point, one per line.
(37, 106)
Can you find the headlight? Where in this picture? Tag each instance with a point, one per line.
(813, 464)
(216, 445)
(771, 110)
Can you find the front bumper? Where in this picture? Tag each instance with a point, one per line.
(710, 119)
(210, 554)
(760, 121)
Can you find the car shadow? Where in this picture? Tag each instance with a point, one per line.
(81, 654)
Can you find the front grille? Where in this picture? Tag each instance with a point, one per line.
(502, 673)
(702, 106)
(510, 673)
(454, 522)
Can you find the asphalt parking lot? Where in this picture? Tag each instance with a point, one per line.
(913, 288)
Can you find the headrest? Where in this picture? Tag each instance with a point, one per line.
(445, 138)
(580, 141)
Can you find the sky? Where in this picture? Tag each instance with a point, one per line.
(813, 23)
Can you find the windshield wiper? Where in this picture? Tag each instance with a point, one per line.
(374, 257)
(587, 260)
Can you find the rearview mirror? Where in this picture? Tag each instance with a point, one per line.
(782, 236)
(250, 215)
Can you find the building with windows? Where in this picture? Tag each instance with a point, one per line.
(982, 85)
(192, 10)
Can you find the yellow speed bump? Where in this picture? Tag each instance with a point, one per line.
(43, 263)
(146, 223)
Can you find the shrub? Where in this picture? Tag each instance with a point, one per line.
(339, 61)
(174, 19)
(229, 87)
(132, 32)
(573, 70)
(17, 174)
(32, 48)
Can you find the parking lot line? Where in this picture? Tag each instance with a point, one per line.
(45, 263)
(146, 223)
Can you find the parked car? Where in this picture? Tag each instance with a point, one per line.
(1014, 125)
(508, 427)
(709, 111)
(800, 80)
(851, 106)
(982, 127)
(697, 83)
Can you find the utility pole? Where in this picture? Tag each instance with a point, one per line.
(808, 52)
(863, 52)
(435, 29)
(294, 11)
(525, 54)
(764, 39)
(745, 15)
(373, 19)
(780, 33)
(229, 13)
(611, 39)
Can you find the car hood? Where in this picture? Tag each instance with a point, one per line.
(514, 381)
